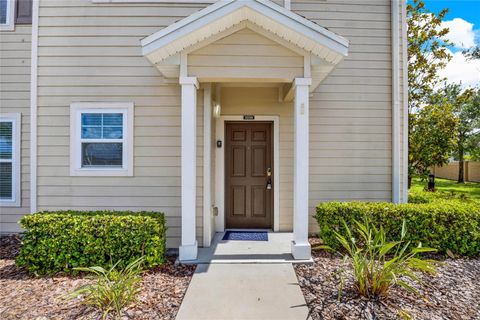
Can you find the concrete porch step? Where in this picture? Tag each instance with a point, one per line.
(259, 260)
(276, 250)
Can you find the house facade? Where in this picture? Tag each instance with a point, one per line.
(221, 114)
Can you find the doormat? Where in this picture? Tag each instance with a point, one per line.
(246, 235)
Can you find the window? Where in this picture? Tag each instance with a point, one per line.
(7, 14)
(10, 160)
(101, 139)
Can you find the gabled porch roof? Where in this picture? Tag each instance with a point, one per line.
(324, 48)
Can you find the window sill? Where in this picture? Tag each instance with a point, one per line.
(10, 204)
(7, 28)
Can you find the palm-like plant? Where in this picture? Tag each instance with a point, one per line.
(113, 289)
(378, 264)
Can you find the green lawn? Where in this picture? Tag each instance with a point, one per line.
(472, 189)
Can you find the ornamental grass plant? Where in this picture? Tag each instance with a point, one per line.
(112, 289)
(379, 264)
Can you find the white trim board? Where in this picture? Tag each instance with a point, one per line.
(220, 168)
(405, 103)
(33, 108)
(395, 6)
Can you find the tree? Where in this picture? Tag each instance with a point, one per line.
(473, 146)
(468, 130)
(432, 138)
(466, 107)
(472, 53)
(427, 54)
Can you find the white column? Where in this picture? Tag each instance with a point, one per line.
(300, 245)
(188, 248)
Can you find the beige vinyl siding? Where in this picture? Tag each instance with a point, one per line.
(245, 54)
(91, 52)
(264, 101)
(15, 53)
(350, 117)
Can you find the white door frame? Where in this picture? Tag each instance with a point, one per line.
(220, 168)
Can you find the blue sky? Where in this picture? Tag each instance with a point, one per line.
(468, 10)
(463, 20)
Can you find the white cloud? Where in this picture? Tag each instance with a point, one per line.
(459, 69)
(460, 33)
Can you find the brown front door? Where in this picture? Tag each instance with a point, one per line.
(248, 175)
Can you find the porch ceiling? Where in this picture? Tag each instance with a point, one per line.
(322, 49)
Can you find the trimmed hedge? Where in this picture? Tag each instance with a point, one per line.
(427, 197)
(62, 240)
(443, 225)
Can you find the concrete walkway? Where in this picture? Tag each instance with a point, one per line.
(243, 291)
(245, 280)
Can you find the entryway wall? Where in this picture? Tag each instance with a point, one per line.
(263, 101)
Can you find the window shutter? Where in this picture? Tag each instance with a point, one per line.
(23, 12)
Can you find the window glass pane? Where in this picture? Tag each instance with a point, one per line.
(6, 140)
(112, 119)
(102, 154)
(91, 132)
(3, 11)
(91, 119)
(112, 133)
(6, 180)
(91, 125)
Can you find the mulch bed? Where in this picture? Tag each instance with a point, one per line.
(454, 293)
(23, 296)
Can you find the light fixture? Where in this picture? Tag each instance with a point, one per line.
(217, 110)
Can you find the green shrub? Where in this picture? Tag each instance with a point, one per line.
(64, 240)
(443, 225)
(422, 196)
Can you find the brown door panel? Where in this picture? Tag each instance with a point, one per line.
(248, 156)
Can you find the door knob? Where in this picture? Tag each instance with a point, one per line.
(269, 172)
(269, 184)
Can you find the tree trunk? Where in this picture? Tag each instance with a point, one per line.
(409, 182)
(461, 163)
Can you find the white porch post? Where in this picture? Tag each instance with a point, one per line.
(188, 248)
(300, 245)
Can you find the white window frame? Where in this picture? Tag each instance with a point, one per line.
(16, 120)
(10, 21)
(76, 110)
